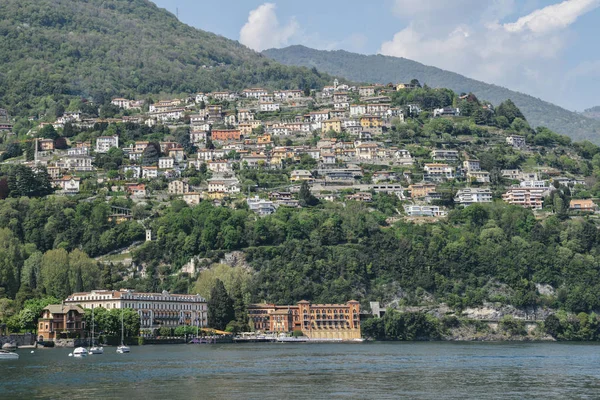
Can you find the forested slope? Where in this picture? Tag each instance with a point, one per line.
(384, 69)
(101, 48)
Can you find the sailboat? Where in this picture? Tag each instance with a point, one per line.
(122, 348)
(93, 348)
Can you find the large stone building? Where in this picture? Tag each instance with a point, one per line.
(316, 321)
(155, 309)
(61, 320)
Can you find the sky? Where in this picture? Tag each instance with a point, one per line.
(546, 48)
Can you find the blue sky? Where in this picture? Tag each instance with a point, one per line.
(546, 48)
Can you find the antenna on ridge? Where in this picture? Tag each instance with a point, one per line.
(177, 12)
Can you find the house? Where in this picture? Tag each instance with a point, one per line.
(478, 176)
(583, 205)
(471, 165)
(446, 112)
(366, 91)
(366, 151)
(178, 187)
(254, 93)
(360, 196)
(60, 319)
(357, 110)
(438, 172)
(470, 196)
(201, 98)
(332, 125)
(219, 166)
(149, 172)
(46, 144)
(166, 163)
(177, 153)
(424, 211)
(403, 157)
(140, 146)
(137, 190)
(198, 137)
(244, 115)
(226, 134)
(533, 184)
(78, 151)
(136, 170)
(121, 103)
(261, 206)
(255, 160)
(383, 176)
(516, 141)
(67, 185)
(268, 107)
(224, 186)
(53, 171)
(526, 197)
(389, 188)
(192, 198)
(105, 143)
(77, 163)
(419, 190)
(378, 109)
(371, 123)
(318, 116)
(328, 158)
(301, 175)
(444, 155)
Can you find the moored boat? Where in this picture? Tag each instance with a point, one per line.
(8, 355)
(80, 352)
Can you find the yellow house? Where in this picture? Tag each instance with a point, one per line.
(216, 195)
(370, 121)
(245, 128)
(332, 125)
(264, 139)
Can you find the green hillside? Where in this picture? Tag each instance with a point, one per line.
(100, 48)
(384, 69)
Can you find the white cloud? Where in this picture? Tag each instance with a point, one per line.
(514, 54)
(556, 16)
(263, 30)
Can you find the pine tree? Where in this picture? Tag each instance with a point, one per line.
(305, 196)
(220, 307)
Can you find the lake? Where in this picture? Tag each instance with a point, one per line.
(310, 371)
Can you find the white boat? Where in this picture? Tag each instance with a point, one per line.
(94, 349)
(8, 355)
(80, 352)
(122, 348)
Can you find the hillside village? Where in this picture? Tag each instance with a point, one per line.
(346, 143)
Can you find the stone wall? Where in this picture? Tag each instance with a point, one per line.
(21, 339)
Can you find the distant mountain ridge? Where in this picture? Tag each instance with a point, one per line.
(385, 69)
(593, 112)
(102, 48)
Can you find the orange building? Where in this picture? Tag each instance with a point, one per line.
(61, 320)
(316, 321)
(226, 134)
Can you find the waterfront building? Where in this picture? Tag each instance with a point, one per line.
(316, 321)
(60, 319)
(155, 309)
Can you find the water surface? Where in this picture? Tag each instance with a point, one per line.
(310, 371)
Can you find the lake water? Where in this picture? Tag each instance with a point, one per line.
(310, 371)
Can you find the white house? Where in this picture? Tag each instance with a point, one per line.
(470, 196)
(105, 143)
(166, 163)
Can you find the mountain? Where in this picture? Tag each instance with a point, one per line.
(101, 48)
(593, 113)
(384, 69)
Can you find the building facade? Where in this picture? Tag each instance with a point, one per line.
(316, 321)
(155, 309)
(61, 319)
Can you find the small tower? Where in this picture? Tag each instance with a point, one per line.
(335, 84)
(148, 235)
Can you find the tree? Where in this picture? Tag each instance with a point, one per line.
(48, 132)
(151, 154)
(305, 196)
(220, 307)
(55, 273)
(509, 110)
